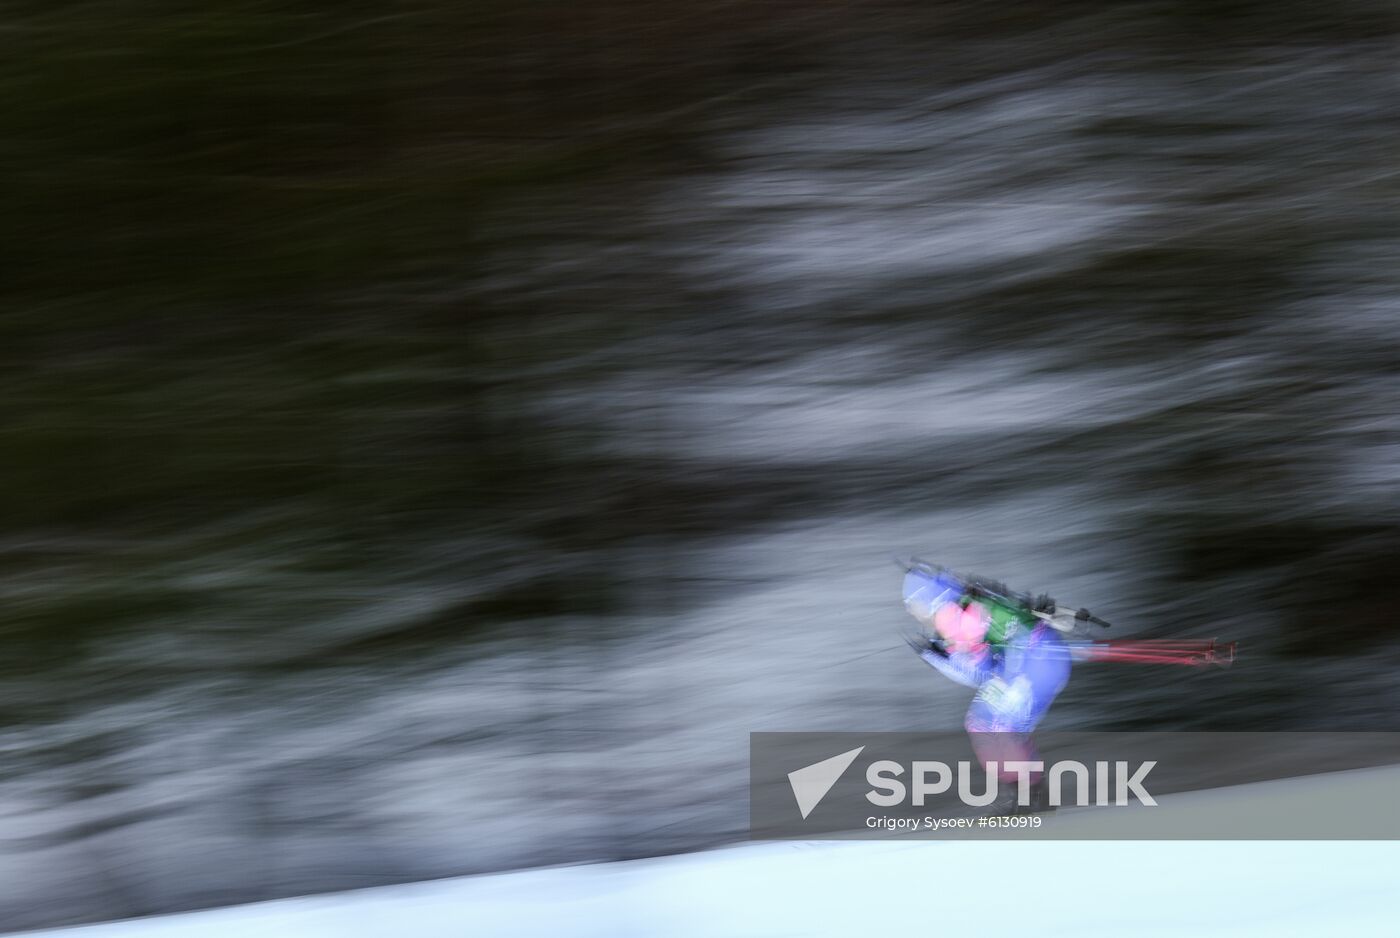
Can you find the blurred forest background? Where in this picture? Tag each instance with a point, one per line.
(435, 435)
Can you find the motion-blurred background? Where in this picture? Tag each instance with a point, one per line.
(435, 435)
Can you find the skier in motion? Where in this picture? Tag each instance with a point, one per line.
(1001, 645)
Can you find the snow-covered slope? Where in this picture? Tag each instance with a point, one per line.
(1079, 888)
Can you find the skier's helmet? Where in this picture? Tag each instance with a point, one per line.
(926, 589)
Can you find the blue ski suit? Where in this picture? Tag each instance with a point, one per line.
(1015, 682)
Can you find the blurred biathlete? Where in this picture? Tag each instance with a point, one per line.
(1001, 645)
(1015, 652)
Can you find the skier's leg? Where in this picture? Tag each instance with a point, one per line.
(1045, 664)
(1003, 748)
(1007, 709)
(995, 738)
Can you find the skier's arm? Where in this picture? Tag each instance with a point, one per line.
(972, 668)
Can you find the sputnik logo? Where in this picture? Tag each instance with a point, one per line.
(811, 783)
